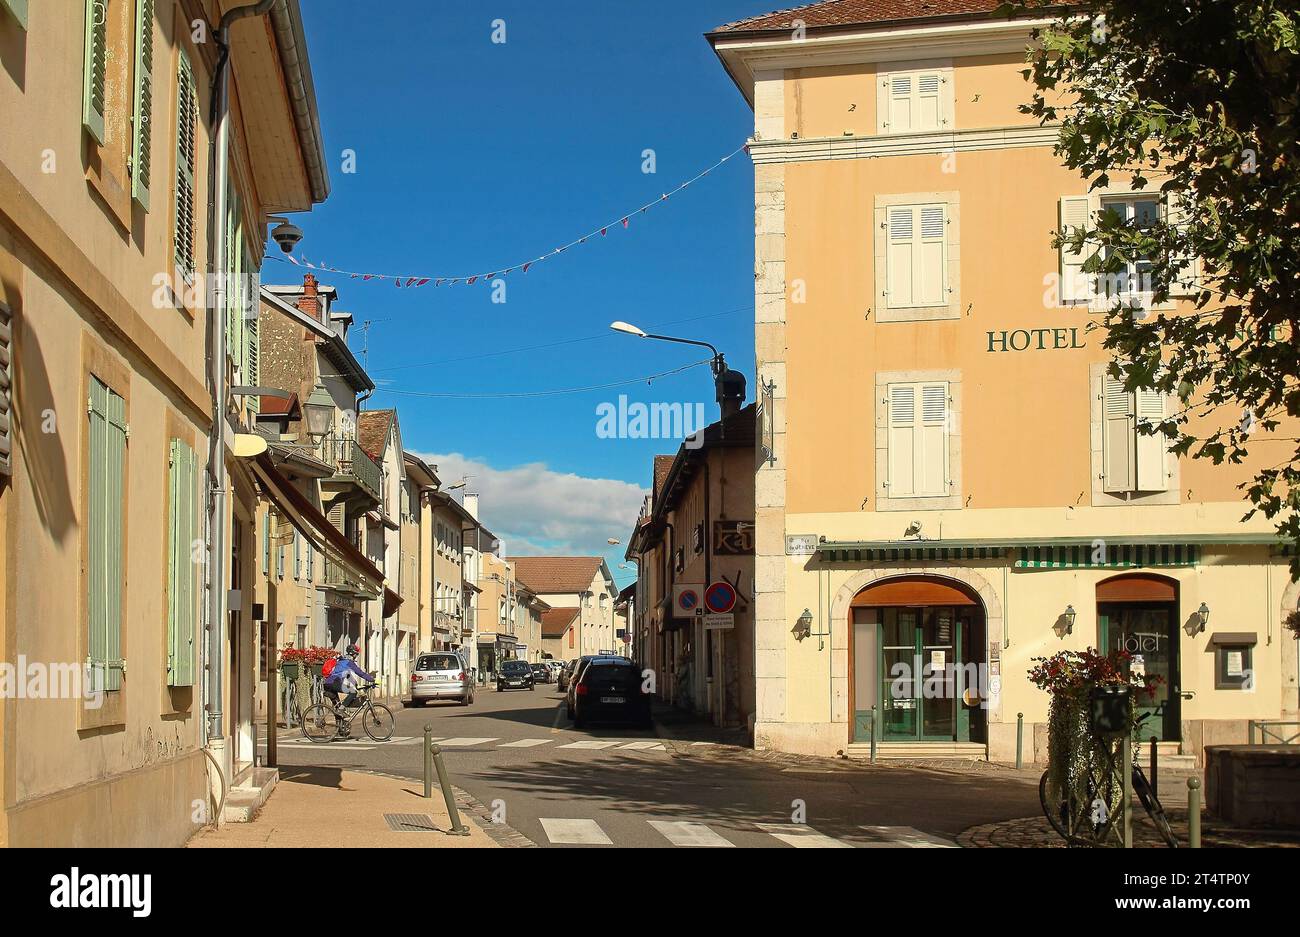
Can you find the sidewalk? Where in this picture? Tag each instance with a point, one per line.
(307, 803)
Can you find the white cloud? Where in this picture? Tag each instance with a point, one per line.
(536, 510)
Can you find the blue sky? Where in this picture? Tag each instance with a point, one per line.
(472, 156)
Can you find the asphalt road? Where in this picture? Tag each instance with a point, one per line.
(519, 755)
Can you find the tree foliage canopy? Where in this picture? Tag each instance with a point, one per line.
(1199, 100)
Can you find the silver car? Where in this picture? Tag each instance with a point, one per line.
(441, 675)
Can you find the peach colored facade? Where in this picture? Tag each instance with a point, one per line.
(1006, 364)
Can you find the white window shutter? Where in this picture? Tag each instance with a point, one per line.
(932, 441)
(928, 109)
(1152, 451)
(1118, 437)
(1075, 214)
(902, 440)
(900, 257)
(901, 115)
(1187, 281)
(928, 288)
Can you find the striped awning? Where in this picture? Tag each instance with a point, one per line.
(1109, 556)
(834, 553)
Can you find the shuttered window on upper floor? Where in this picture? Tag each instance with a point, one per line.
(187, 128)
(1133, 461)
(141, 167)
(918, 418)
(6, 389)
(181, 587)
(916, 258)
(94, 85)
(915, 101)
(106, 481)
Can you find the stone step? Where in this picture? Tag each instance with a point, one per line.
(906, 751)
(246, 799)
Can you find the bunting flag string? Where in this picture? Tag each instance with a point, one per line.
(407, 281)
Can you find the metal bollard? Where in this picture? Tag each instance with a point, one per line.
(428, 761)
(1126, 759)
(457, 828)
(873, 735)
(1194, 812)
(1155, 769)
(1020, 741)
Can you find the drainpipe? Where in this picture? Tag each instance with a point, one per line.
(217, 558)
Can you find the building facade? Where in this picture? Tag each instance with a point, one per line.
(107, 304)
(950, 484)
(582, 582)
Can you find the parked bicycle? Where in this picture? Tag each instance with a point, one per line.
(324, 722)
(1093, 819)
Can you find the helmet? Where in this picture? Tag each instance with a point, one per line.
(353, 650)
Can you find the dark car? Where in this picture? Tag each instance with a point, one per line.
(608, 689)
(571, 676)
(515, 675)
(566, 675)
(541, 673)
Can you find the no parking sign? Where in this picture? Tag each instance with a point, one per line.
(720, 597)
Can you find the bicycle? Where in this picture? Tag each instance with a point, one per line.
(1092, 820)
(324, 722)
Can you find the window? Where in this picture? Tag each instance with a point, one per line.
(107, 470)
(916, 256)
(297, 556)
(1234, 660)
(181, 591)
(918, 445)
(1132, 461)
(915, 101)
(311, 562)
(187, 127)
(266, 543)
(1134, 275)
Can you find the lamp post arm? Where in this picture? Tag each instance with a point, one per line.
(719, 363)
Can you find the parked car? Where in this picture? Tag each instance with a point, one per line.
(441, 675)
(556, 667)
(515, 675)
(542, 673)
(570, 674)
(566, 675)
(608, 689)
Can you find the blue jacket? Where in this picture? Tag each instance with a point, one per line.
(342, 669)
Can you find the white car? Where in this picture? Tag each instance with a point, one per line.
(441, 675)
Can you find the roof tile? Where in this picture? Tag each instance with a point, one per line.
(858, 13)
(548, 575)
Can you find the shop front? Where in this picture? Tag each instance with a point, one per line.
(1137, 614)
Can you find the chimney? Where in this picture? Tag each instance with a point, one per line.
(310, 302)
(471, 505)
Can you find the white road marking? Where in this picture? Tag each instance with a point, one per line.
(685, 833)
(464, 742)
(801, 837)
(329, 746)
(526, 743)
(592, 744)
(575, 832)
(644, 745)
(909, 837)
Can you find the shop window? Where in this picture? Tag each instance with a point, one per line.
(1234, 665)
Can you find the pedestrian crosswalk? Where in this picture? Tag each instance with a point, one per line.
(693, 834)
(364, 744)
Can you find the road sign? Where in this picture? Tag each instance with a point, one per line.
(687, 600)
(720, 597)
(719, 622)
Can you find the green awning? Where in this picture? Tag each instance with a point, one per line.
(833, 553)
(1109, 556)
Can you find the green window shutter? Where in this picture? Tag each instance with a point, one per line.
(181, 593)
(142, 118)
(297, 556)
(266, 542)
(18, 8)
(311, 562)
(6, 389)
(187, 119)
(104, 532)
(253, 353)
(94, 68)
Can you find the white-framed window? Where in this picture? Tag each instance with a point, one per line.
(916, 257)
(1133, 461)
(915, 100)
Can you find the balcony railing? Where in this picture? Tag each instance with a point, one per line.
(351, 462)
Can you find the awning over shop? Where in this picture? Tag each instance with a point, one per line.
(854, 553)
(392, 602)
(347, 568)
(1109, 556)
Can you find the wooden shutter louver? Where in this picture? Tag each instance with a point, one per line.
(107, 412)
(1075, 214)
(6, 390)
(187, 115)
(94, 69)
(902, 440)
(1151, 450)
(1119, 456)
(142, 116)
(182, 613)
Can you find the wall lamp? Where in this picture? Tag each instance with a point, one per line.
(1069, 616)
(803, 625)
(1203, 613)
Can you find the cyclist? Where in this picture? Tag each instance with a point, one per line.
(347, 677)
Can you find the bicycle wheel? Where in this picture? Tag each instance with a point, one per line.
(1155, 810)
(320, 723)
(378, 722)
(1055, 807)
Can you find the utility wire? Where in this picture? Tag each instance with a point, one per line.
(549, 393)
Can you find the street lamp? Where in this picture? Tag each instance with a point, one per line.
(319, 410)
(729, 384)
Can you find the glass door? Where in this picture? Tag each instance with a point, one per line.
(1148, 632)
(938, 646)
(900, 701)
(919, 673)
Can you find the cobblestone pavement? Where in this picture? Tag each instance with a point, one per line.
(1035, 832)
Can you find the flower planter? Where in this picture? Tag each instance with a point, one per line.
(289, 670)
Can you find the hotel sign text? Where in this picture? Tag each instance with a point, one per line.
(1035, 339)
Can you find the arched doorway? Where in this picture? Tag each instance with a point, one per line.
(918, 645)
(1138, 613)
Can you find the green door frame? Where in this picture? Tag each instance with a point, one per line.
(961, 721)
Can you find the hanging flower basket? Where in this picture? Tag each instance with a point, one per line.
(291, 659)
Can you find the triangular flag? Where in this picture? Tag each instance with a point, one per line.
(471, 280)
(604, 231)
(625, 222)
(368, 276)
(526, 266)
(292, 260)
(411, 280)
(422, 282)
